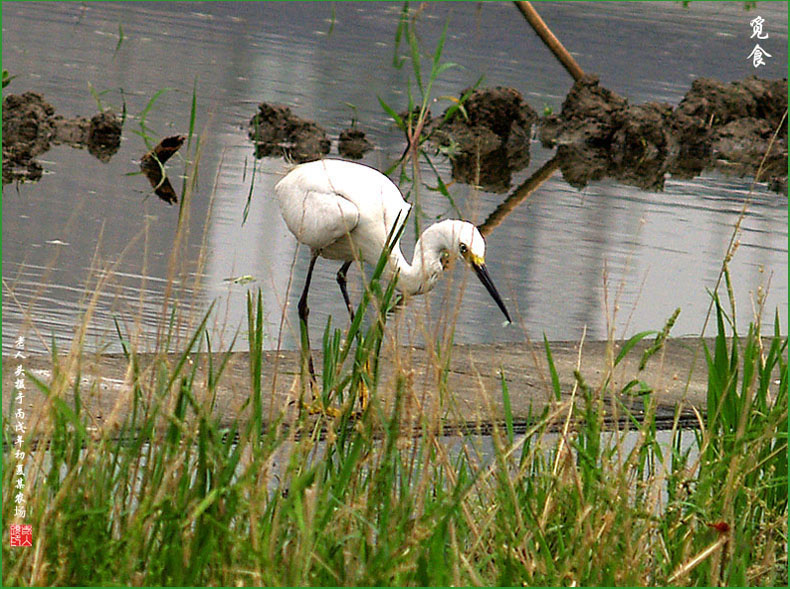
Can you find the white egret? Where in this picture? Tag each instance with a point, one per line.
(345, 211)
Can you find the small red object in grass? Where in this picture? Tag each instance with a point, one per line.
(721, 527)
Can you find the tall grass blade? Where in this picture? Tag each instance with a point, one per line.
(555, 378)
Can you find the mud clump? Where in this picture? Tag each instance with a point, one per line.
(730, 126)
(101, 134)
(717, 125)
(642, 145)
(587, 117)
(276, 131)
(599, 134)
(104, 135)
(26, 134)
(491, 141)
(353, 144)
(31, 127)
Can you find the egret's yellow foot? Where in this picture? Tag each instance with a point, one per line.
(362, 391)
(364, 396)
(317, 407)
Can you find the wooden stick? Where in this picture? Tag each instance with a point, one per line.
(549, 39)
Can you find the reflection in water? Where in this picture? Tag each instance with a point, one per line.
(519, 195)
(658, 251)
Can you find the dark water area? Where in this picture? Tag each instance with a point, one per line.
(563, 260)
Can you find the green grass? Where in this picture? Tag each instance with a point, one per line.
(176, 499)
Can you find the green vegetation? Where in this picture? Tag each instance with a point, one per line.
(417, 115)
(7, 77)
(175, 499)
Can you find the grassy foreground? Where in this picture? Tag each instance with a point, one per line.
(179, 501)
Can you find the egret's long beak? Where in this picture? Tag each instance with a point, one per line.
(480, 269)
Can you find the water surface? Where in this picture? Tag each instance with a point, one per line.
(557, 259)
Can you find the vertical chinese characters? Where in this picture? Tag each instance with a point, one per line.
(20, 509)
(758, 52)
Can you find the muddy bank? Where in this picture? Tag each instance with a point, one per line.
(31, 127)
(725, 126)
(472, 395)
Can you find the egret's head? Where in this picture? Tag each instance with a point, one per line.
(466, 242)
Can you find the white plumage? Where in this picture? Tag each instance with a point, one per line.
(327, 200)
(346, 211)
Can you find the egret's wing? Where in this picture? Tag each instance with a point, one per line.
(317, 218)
(395, 212)
(323, 200)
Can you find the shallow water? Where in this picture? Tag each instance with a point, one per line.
(549, 258)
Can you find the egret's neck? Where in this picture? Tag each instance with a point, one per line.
(420, 276)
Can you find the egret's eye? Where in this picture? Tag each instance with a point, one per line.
(462, 248)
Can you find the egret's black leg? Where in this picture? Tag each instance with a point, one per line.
(304, 311)
(341, 280)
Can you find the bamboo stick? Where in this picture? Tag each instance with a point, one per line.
(549, 39)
